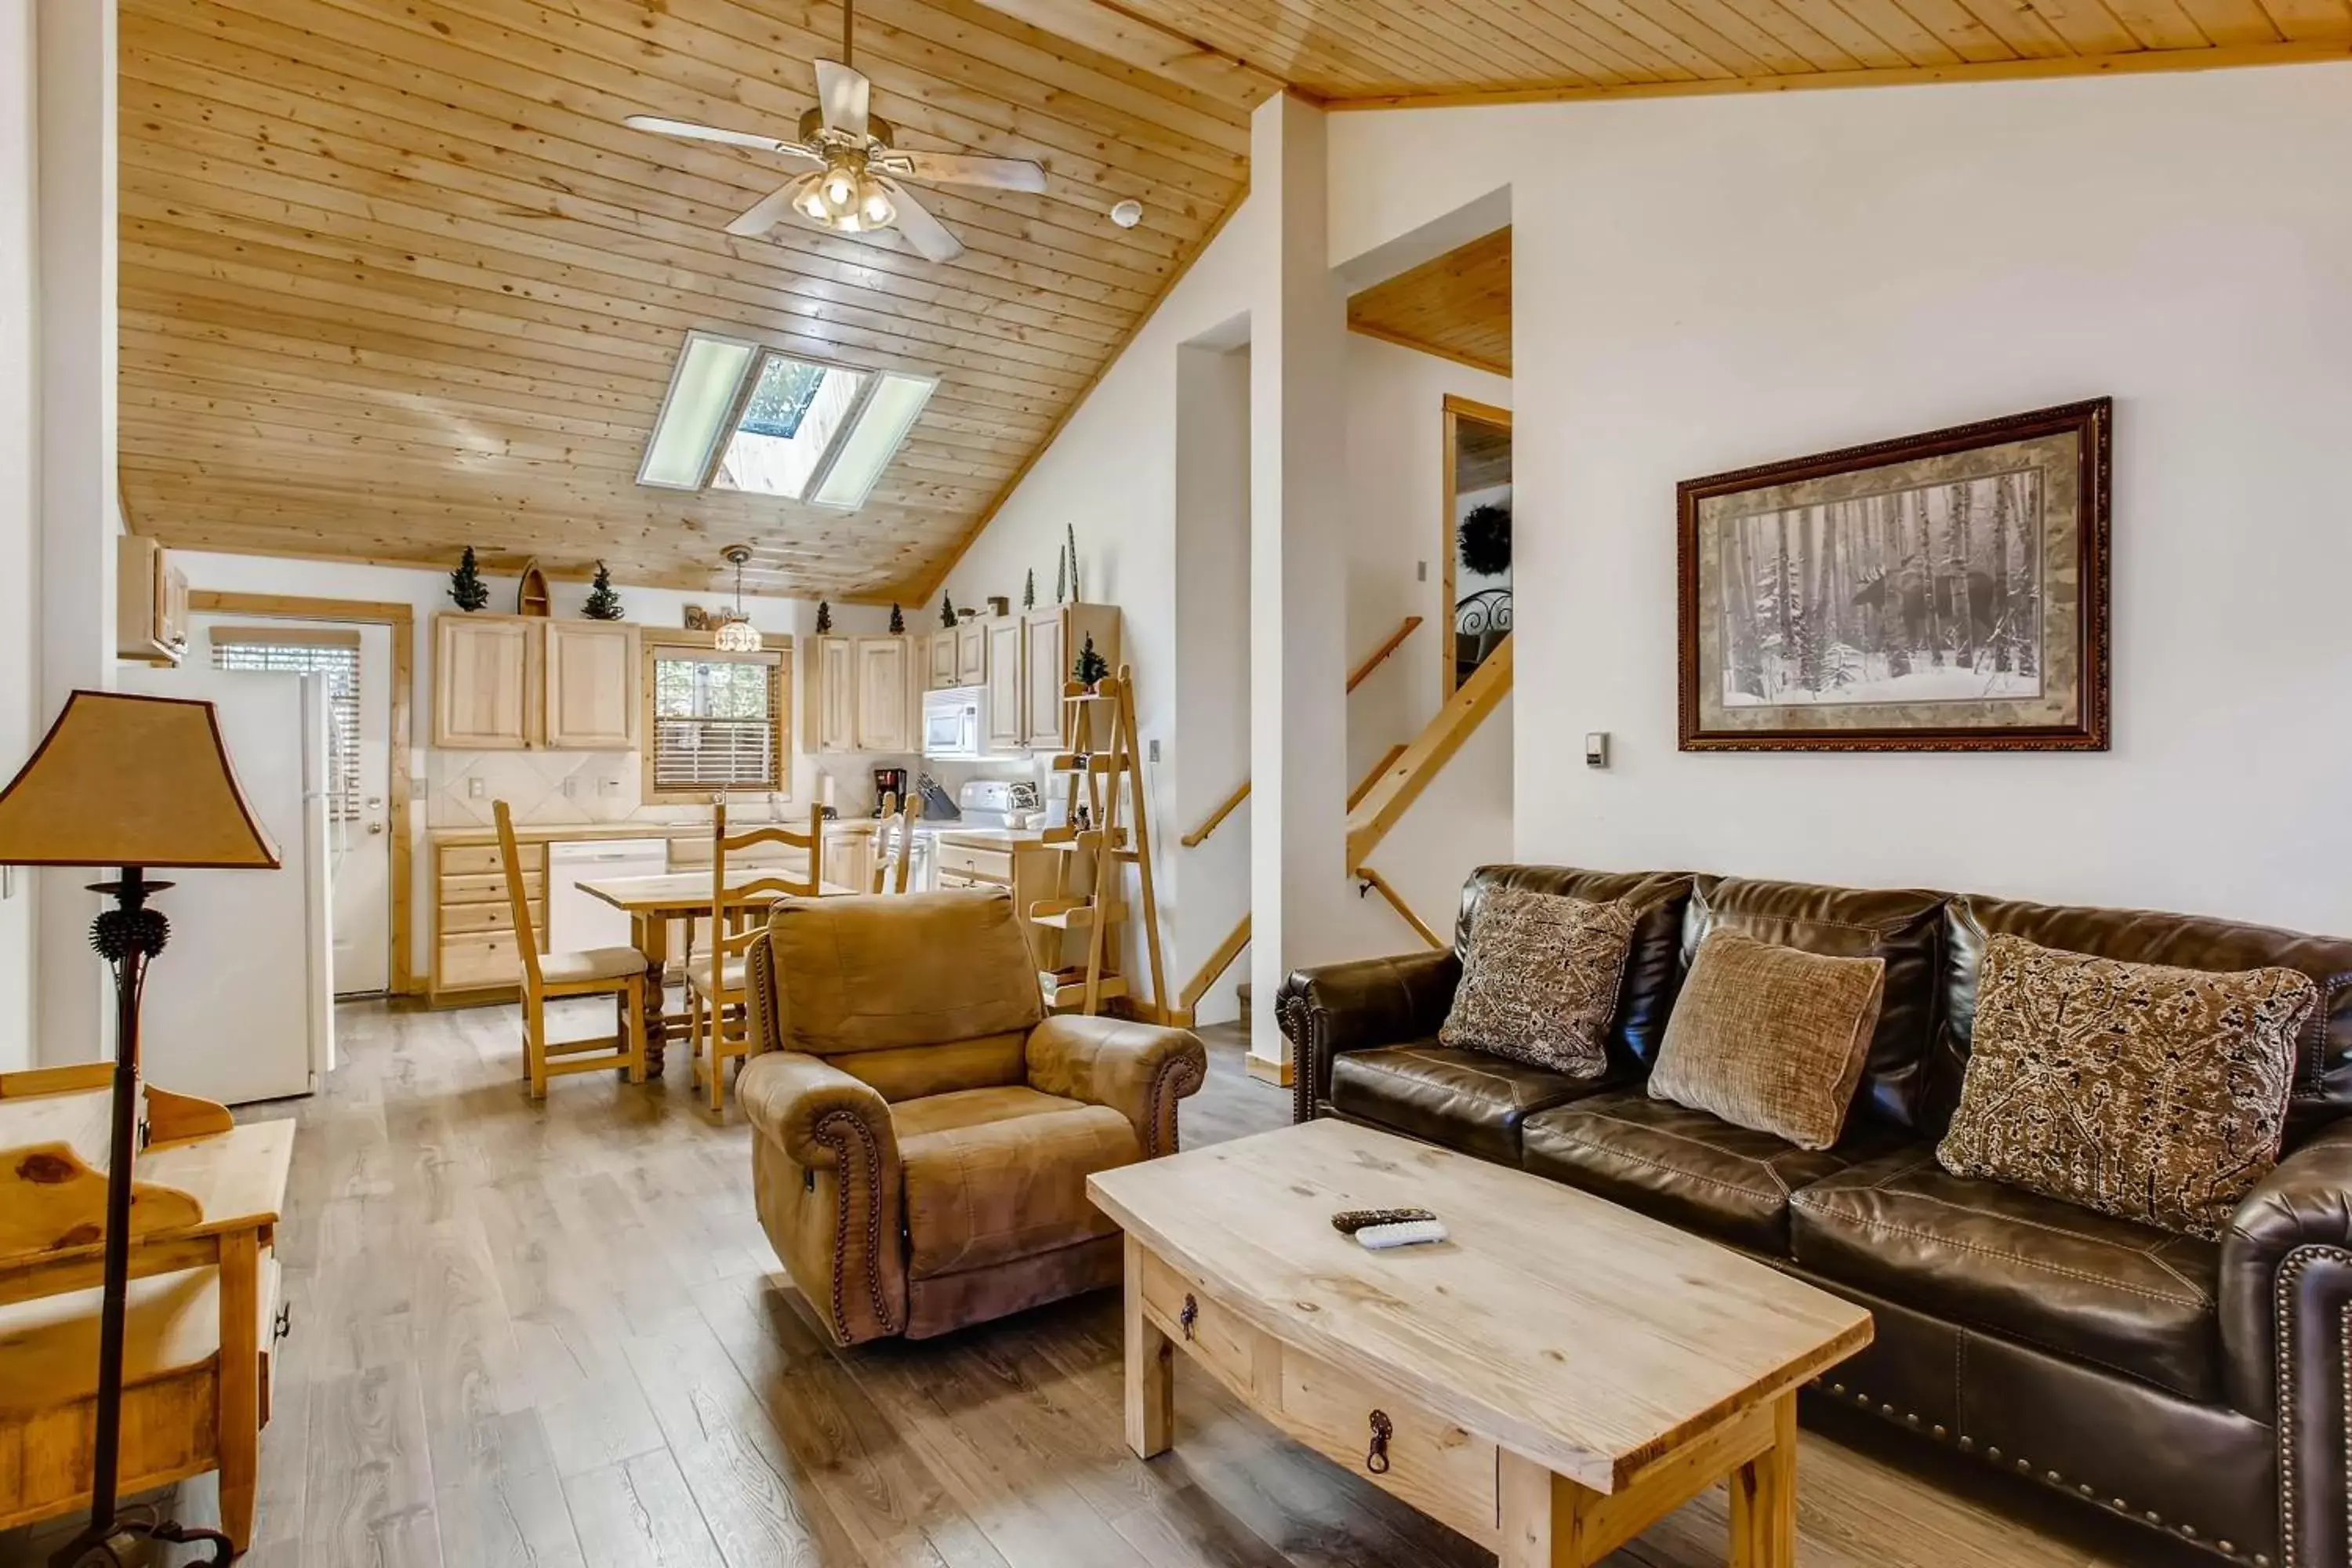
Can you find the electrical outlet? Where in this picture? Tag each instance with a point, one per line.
(1420, 571)
(608, 787)
(570, 785)
(474, 790)
(1155, 748)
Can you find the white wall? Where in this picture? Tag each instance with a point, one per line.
(426, 594)
(1707, 283)
(20, 623)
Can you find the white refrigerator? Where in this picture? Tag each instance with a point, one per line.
(240, 1004)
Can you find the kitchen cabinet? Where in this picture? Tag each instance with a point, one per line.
(484, 671)
(972, 653)
(513, 683)
(882, 722)
(940, 672)
(151, 602)
(592, 686)
(1050, 640)
(1005, 683)
(474, 942)
(860, 694)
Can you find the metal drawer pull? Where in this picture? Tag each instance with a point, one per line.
(1377, 1459)
(1189, 1316)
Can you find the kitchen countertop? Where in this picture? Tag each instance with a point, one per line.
(575, 832)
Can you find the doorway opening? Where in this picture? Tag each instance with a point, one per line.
(1475, 537)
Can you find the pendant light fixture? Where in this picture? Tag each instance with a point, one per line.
(736, 632)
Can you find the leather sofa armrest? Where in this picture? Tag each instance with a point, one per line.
(828, 1186)
(1140, 1071)
(761, 1000)
(1355, 1007)
(2304, 1201)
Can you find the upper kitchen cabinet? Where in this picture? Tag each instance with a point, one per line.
(941, 651)
(483, 670)
(1050, 641)
(592, 686)
(512, 683)
(151, 602)
(1003, 683)
(972, 653)
(861, 693)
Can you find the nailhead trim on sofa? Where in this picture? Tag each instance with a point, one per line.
(2289, 1272)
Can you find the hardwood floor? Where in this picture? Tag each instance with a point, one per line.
(555, 1334)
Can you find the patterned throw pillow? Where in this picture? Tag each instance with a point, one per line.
(1540, 982)
(2147, 1092)
(1769, 1038)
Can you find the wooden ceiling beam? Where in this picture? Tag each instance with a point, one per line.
(1121, 35)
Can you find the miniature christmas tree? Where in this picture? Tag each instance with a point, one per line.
(897, 620)
(1077, 594)
(947, 611)
(1091, 667)
(465, 584)
(824, 618)
(603, 605)
(1061, 576)
(1029, 591)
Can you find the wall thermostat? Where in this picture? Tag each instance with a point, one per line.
(1596, 748)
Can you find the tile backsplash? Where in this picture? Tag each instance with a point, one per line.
(542, 788)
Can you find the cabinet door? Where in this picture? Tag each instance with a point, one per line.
(972, 654)
(174, 618)
(1004, 685)
(1044, 664)
(482, 669)
(834, 709)
(942, 670)
(592, 686)
(882, 695)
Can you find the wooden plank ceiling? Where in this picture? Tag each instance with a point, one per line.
(395, 278)
(1457, 306)
(1369, 53)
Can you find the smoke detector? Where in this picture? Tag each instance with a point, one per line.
(1128, 214)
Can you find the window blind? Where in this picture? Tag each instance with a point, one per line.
(336, 655)
(715, 722)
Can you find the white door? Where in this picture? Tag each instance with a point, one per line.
(359, 816)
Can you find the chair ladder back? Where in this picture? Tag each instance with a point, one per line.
(517, 895)
(736, 913)
(891, 865)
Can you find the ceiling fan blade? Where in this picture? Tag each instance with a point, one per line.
(959, 169)
(929, 236)
(843, 93)
(765, 214)
(689, 132)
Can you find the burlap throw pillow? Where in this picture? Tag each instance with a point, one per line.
(1540, 982)
(2147, 1092)
(1770, 1037)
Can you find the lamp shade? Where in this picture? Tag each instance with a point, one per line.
(130, 781)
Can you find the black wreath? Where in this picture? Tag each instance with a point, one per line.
(1487, 541)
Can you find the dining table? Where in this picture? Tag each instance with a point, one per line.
(651, 903)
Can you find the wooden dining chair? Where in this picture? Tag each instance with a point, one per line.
(616, 972)
(715, 998)
(891, 865)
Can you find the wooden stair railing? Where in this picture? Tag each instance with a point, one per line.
(1372, 661)
(1372, 881)
(1379, 810)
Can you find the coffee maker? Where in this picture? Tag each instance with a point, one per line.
(889, 781)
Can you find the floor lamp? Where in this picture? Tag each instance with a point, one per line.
(137, 783)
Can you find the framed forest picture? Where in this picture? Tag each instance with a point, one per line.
(1940, 593)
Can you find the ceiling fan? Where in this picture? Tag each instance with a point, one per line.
(855, 187)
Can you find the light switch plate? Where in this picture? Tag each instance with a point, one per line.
(474, 789)
(1596, 748)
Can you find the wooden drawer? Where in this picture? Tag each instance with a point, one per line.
(1441, 1470)
(477, 859)
(992, 865)
(485, 958)
(1243, 1358)
(490, 889)
(459, 919)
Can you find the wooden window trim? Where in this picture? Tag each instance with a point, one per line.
(656, 641)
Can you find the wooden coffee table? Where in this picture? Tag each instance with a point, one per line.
(1550, 1381)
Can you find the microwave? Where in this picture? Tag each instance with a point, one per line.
(955, 723)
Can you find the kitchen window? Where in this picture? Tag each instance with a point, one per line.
(715, 721)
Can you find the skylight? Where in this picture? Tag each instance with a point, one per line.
(742, 417)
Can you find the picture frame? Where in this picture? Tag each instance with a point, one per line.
(1944, 591)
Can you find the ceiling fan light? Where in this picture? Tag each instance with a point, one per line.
(873, 205)
(838, 186)
(809, 201)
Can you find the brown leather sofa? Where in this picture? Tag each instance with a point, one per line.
(2198, 1388)
(924, 1132)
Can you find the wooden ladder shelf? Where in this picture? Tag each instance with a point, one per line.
(1095, 844)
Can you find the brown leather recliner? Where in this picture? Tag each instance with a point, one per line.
(2196, 1387)
(924, 1131)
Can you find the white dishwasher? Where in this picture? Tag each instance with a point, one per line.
(575, 921)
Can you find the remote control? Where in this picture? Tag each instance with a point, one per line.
(1348, 1221)
(1404, 1233)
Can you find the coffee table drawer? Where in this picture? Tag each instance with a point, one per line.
(1214, 1335)
(1445, 1471)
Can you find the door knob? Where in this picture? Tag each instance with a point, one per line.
(375, 828)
